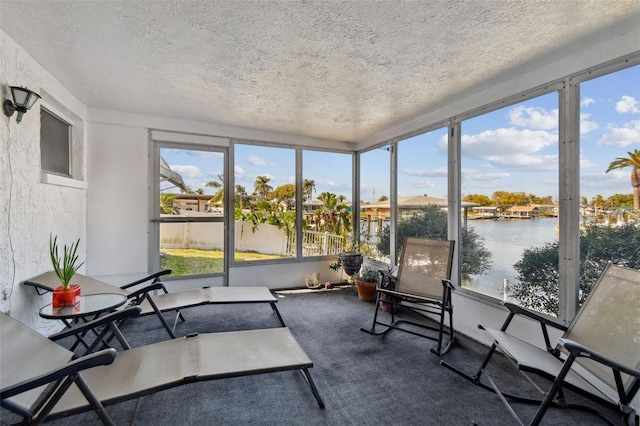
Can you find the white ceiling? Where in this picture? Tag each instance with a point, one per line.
(340, 70)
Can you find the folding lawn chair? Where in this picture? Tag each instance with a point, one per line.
(423, 285)
(598, 355)
(40, 381)
(140, 293)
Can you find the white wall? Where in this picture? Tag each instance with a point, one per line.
(31, 210)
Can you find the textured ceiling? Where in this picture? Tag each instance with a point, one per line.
(330, 70)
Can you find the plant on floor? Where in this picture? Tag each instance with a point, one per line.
(66, 267)
(366, 282)
(367, 275)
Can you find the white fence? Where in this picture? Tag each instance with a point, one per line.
(267, 239)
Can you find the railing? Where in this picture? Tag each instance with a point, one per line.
(316, 243)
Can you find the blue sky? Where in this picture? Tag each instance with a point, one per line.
(512, 149)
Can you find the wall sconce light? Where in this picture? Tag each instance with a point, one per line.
(23, 100)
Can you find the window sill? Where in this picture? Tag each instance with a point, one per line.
(63, 181)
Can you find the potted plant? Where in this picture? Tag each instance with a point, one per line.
(66, 294)
(366, 282)
(351, 258)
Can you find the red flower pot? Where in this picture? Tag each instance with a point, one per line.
(63, 297)
(366, 290)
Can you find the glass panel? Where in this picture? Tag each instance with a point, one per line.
(264, 202)
(510, 185)
(374, 198)
(327, 209)
(609, 167)
(54, 144)
(191, 205)
(422, 189)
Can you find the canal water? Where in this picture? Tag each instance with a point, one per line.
(506, 240)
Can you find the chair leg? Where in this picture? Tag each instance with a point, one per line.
(277, 312)
(372, 330)
(312, 385)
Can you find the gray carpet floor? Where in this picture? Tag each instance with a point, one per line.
(363, 379)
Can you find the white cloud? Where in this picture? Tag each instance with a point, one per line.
(238, 170)
(188, 172)
(628, 104)
(621, 136)
(437, 172)
(585, 102)
(424, 183)
(511, 148)
(254, 160)
(505, 142)
(477, 175)
(586, 125)
(534, 118)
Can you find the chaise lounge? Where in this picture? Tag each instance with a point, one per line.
(40, 380)
(139, 293)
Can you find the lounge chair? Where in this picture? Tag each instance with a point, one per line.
(598, 355)
(39, 379)
(140, 293)
(423, 285)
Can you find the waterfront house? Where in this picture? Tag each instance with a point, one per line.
(522, 212)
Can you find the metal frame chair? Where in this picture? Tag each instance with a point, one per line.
(424, 286)
(144, 295)
(598, 355)
(39, 380)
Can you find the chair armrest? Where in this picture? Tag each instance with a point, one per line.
(155, 277)
(579, 350)
(448, 284)
(144, 290)
(103, 357)
(515, 309)
(103, 320)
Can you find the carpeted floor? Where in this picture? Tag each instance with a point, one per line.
(363, 379)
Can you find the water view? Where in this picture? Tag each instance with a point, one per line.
(507, 239)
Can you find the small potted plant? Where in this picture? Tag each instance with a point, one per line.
(66, 294)
(351, 258)
(366, 282)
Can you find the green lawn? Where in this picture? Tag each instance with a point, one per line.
(197, 262)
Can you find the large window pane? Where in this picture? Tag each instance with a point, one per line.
(610, 155)
(374, 198)
(264, 202)
(191, 214)
(327, 208)
(422, 189)
(510, 171)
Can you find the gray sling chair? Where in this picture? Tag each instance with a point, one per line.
(598, 355)
(140, 293)
(423, 285)
(41, 380)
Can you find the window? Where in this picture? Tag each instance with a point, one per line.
(264, 202)
(375, 196)
(327, 208)
(609, 204)
(510, 187)
(190, 213)
(55, 144)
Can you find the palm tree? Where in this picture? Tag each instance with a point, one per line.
(308, 188)
(632, 161)
(262, 188)
(166, 204)
(219, 195)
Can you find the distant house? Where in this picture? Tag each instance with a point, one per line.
(189, 203)
(522, 212)
(486, 212)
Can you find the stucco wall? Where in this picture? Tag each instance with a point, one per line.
(31, 210)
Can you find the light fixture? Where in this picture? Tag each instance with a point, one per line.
(23, 100)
